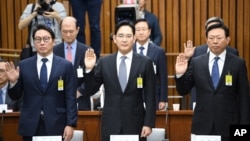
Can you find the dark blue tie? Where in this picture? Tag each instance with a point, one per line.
(43, 74)
(123, 73)
(215, 72)
(141, 48)
(1, 96)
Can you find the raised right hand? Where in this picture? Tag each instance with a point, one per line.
(12, 72)
(181, 64)
(90, 59)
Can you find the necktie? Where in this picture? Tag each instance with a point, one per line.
(141, 48)
(43, 74)
(1, 96)
(215, 72)
(123, 73)
(69, 54)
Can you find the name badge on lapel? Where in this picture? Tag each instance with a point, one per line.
(139, 82)
(60, 84)
(228, 79)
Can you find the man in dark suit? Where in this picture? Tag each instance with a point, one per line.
(157, 54)
(48, 85)
(74, 51)
(126, 76)
(14, 105)
(222, 99)
(191, 52)
(156, 35)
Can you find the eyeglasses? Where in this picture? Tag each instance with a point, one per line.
(39, 39)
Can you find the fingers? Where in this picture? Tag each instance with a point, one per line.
(90, 53)
(9, 66)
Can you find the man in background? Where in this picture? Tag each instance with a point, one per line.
(143, 46)
(156, 35)
(74, 51)
(14, 105)
(93, 8)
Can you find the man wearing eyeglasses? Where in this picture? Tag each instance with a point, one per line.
(48, 85)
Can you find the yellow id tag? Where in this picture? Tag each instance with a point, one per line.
(60, 85)
(139, 82)
(229, 80)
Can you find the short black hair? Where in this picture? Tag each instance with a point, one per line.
(125, 23)
(142, 20)
(43, 27)
(225, 28)
(214, 19)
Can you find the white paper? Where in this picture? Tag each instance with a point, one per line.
(124, 137)
(47, 138)
(3, 107)
(205, 137)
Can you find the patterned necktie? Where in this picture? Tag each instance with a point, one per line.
(141, 48)
(43, 74)
(215, 72)
(1, 96)
(69, 54)
(123, 73)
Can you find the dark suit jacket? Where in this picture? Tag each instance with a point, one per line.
(59, 107)
(124, 112)
(221, 107)
(156, 35)
(84, 100)
(200, 50)
(157, 54)
(15, 105)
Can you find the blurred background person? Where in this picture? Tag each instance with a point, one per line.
(74, 51)
(156, 35)
(46, 12)
(93, 8)
(14, 105)
(143, 46)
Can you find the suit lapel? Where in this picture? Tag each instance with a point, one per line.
(225, 69)
(134, 68)
(151, 51)
(205, 65)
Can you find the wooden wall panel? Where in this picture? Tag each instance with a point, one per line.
(180, 20)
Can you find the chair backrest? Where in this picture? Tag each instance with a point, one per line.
(78, 135)
(99, 94)
(158, 134)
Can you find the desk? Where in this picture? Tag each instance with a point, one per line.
(176, 123)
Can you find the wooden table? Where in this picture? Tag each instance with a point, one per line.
(176, 123)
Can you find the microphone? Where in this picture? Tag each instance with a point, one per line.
(2, 119)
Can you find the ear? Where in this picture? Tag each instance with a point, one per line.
(228, 40)
(114, 39)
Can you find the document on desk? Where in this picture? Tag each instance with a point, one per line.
(47, 138)
(124, 137)
(205, 137)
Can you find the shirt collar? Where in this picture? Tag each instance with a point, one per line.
(222, 56)
(73, 45)
(49, 57)
(128, 55)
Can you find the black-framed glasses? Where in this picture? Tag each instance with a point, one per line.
(39, 39)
